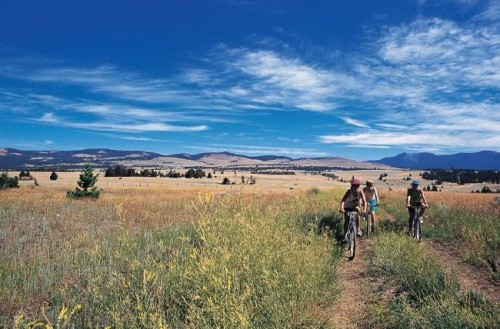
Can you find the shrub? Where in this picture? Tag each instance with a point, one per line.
(8, 182)
(53, 176)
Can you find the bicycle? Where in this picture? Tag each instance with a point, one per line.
(351, 233)
(417, 223)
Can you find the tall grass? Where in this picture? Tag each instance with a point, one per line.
(452, 219)
(159, 259)
(481, 230)
(427, 296)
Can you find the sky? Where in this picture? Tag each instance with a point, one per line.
(362, 79)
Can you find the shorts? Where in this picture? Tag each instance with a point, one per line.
(373, 205)
(356, 209)
(411, 210)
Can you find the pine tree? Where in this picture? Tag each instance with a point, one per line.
(86, 184)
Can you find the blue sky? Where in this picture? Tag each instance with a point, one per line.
(359, 79)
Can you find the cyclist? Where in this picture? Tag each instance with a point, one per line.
(353, 199)
(371, 195)
(415, 197)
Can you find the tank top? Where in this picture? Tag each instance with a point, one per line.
(352, 201)
(415, 196)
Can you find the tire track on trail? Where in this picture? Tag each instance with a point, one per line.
(470, 277)
(351, 308)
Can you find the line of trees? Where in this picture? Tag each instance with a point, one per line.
(462, 176)
(122, 171)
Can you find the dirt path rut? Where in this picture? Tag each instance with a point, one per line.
(351, 309)
(471, 277)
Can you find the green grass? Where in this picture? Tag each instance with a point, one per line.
(427, 296)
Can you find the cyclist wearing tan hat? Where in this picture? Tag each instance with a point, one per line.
(371, 195)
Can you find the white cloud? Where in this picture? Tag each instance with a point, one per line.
(355, 122)
(49, 117)
(416, 140)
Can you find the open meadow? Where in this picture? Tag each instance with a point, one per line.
(396, 179)
(186, 253)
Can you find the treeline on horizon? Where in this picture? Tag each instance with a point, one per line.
(122, 171)
(462, 176)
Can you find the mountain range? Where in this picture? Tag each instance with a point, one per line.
(15, 159)
(484, 160)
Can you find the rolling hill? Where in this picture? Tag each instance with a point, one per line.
(14, 159)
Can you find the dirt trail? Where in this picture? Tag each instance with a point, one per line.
(350, 310)
(471, 277)
(474, 278)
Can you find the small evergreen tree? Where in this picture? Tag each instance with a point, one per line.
(86, 184)
(53, 176)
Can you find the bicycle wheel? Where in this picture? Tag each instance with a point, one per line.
(352, 243)
(368, 224)
(418, 230)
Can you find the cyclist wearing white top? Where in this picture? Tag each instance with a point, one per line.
(371, 195)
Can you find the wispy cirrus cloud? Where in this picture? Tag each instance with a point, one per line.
(50, 118)
(415, 140)
(430, 78)
(354, 122)
(85, 114)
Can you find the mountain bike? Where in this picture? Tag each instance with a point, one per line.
(351, 233)
(417, 223)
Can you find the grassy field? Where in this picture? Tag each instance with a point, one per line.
(160, 258)
(147, 255)
(395, 180)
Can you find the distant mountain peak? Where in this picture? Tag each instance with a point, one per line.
(482, 160)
